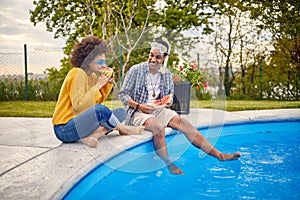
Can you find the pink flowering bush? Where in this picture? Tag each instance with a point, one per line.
(190, 72)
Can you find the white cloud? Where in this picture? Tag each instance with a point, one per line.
(17, 30)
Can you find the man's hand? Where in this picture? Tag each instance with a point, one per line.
(170, 100)
(145, 108)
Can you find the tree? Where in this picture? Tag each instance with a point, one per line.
(279, 19)
(282, 19)
(107, 19)
(233, 41)
(113, 20)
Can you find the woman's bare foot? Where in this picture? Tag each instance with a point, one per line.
(173, 169)
(90, 141)
(129, 130)
(234, 156)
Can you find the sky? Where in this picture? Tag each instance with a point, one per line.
(17, 30)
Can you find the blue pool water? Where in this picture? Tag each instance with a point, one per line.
(268, 169)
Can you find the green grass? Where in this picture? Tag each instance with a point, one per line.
(27, 108)
(45, 109)
(234, 105)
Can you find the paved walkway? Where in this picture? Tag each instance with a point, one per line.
(35, 165)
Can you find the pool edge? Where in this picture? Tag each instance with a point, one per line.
(35, 165)
(229, 118)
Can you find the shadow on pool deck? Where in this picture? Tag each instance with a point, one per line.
(35, 165)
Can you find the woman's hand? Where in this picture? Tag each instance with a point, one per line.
(111, 78)
(102, 80)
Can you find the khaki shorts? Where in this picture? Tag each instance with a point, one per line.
(163, 114)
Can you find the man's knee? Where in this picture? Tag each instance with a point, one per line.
(154, 125)
(175, 122)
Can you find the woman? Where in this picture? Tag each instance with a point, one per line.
(78, 113)
(143, 84)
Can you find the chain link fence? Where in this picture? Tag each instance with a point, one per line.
(12, 61)
(23, 72)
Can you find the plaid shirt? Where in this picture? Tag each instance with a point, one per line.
(135, 87)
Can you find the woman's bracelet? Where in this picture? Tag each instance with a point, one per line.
(137, 106)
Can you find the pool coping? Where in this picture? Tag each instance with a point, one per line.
(35, 165)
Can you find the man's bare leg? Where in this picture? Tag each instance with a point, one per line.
(129, 130)
(198, 140)
(92, 140)
(159, 142)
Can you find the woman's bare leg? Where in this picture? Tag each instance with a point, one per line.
(92, 140)
(159, 142)
(198, 140)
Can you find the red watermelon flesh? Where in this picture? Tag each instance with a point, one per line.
(162, 101)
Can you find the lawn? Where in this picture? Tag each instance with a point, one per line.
(45, 109)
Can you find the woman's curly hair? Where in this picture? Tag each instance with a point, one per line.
(85, 51)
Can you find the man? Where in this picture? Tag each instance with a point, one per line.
(143, 84)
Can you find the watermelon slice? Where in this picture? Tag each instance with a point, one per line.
(163, 101)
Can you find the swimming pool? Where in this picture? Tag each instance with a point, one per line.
(268, 169)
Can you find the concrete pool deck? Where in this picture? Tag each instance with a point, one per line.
(35, 165)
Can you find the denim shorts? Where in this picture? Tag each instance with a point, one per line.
(86, 123)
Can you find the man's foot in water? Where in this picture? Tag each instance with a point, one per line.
(225, 157)
(173, 169)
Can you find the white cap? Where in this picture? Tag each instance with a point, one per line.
(161, 48)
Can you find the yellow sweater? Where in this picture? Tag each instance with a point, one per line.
(78, 93)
